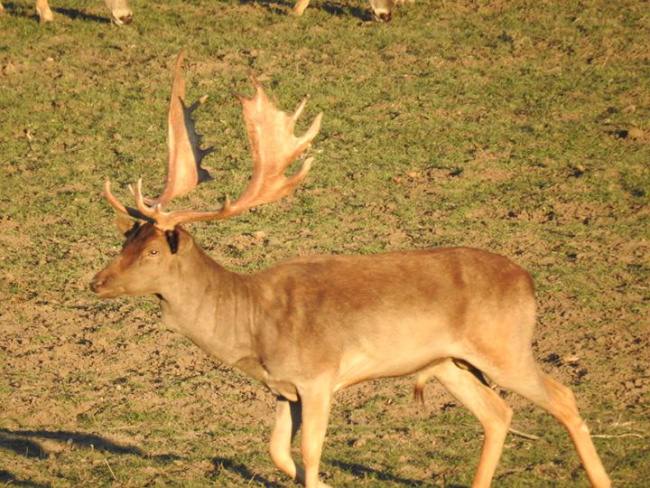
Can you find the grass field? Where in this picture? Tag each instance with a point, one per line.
(521, 127)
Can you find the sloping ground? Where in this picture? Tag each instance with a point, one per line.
(519, 127)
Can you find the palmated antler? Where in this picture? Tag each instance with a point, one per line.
(273, 146)
(184, 169)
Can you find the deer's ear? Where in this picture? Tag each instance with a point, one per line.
(124, 224)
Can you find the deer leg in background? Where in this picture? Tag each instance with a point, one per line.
(487, 406)
(287, 422)
(315, 413)
(300, 6)
(120, 12)
(43, 11)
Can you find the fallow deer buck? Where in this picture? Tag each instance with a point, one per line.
(309, 327)
(120, 11)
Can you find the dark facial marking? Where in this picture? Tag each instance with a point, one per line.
(132, 232)
(172, 240)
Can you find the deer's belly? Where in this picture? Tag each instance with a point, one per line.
(362, 366)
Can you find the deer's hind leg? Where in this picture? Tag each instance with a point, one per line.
(558, 400)
(486, 405)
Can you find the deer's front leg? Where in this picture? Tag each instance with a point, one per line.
(315, 412)
(43, 11)
(300, 7)
(287, 422)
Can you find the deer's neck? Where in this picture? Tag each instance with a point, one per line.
(211, 306)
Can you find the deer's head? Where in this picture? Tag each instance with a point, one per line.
(120, 12)
(148, 263)
(154, 249)
(382, 10)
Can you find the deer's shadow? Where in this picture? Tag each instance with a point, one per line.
(247, 476)
(27, 443)
(360, 471)
(357, 470)
(78, 14)
(20, 10)
(338, 9)
(282, 7)
(9, 479)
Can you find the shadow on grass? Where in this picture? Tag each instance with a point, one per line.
(26, 443)
(10, 480)
(241, 470)
(221, 463)
(21, 10)
(361, 471)
(280, 7)
(77, 14)
(338, 9)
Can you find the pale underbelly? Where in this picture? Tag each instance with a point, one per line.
(362, 366)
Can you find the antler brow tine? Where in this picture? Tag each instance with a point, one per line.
(115, 203)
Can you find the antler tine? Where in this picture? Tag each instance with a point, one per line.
(312, 132)
(297, 113)
(153, 212)
(115, 203)
(120, 208)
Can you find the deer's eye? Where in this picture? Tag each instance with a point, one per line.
(153, 252)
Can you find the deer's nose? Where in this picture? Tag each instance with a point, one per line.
(96, 283)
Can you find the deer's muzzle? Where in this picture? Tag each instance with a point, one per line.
(96, 284)
(101, 284)
(121, 16)
(384, 16)
(382, 10)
